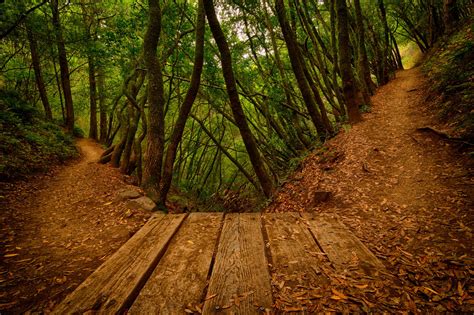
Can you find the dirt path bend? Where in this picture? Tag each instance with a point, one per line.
(406, 194)
(58, 228)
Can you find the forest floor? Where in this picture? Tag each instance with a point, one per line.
(58, 227)
(406, 193)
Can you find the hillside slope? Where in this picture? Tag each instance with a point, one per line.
(405, 192)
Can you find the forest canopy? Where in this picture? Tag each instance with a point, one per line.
(218, 99)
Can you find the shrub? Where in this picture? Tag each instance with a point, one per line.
(28, 143)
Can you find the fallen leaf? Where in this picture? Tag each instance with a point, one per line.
(338, 295)
(210, 297)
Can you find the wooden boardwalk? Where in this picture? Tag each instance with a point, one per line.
(218, 264)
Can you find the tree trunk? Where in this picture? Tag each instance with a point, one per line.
(349, 87)
(102, 105)
(237, 110)
(64, 67)
(450, 15)
(186, 106)
(398, 56)
(38, 74)
(226, 153)
(285, 82)
(386, 44)
(134, 119)
(156, 132)
(364, 68)
(93, 99)
(297, 66)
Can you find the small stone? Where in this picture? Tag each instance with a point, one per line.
(127, 194)
(143, 202)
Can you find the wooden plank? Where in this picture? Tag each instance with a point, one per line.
(296, 261)
(344, 249)
(180, 278)
(240, 281)
(114, 285)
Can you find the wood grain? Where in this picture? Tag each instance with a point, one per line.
(117, 281)
(296, 261)
(344, 249)
(179, 280)
(240, 281)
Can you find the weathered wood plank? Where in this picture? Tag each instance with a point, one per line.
(240, 281)
(117, 281)
(180, 278)
(296, 261)
(344, 249)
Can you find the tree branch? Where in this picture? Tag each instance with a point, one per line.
(20, 19)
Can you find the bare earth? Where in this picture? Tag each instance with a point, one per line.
(58, 228)
(407, 194)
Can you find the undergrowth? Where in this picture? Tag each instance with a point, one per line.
(28, 143)
(450, 68)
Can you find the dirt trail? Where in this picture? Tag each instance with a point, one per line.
(59, 227)
(406, 194)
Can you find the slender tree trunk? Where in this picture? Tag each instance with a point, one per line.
(64, 67)
(88, 24)
(334, 47)
(38, 73)
(349, 87)
(93, 99)
(156, 131)
(102, 105)
(237, 110)
(186, 106)
(285, 82)
(386, 44)
(398, 56)
(226, 153)
(364, 68)
(297, 66)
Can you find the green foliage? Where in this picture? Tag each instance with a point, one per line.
(365, 108)
(27, 142)
(451, 72)
(78, 132)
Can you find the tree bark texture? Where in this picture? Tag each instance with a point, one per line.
(156, 132)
